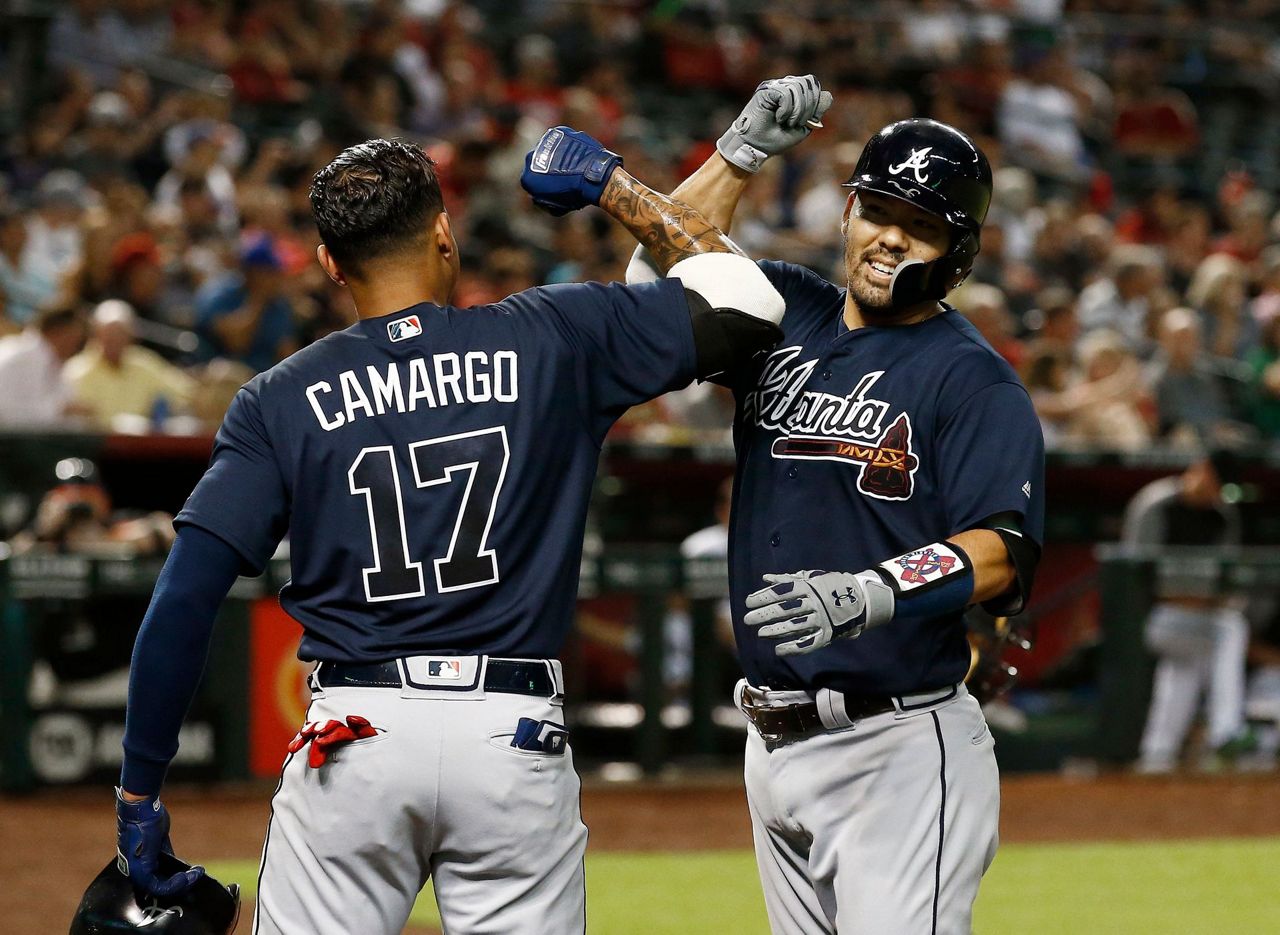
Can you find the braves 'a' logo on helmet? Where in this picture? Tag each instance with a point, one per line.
(917, 162)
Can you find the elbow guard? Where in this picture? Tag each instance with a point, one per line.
(723, 337)
(730, 281)
(1024, 556)
(735, 310)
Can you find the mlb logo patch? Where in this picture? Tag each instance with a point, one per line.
(444, 669)
(402, 329)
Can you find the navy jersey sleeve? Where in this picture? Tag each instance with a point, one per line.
(991, 460)
(242, 497)
(632, 343)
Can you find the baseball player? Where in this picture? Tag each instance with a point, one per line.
(889, 468)
(432, 467)
(1200, 637)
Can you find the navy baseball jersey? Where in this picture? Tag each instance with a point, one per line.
(433, 467)
(857, 446)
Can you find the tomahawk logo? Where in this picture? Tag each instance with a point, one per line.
(917, 162)
(402, 329)
(825, 427)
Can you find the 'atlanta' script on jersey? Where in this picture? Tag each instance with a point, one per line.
(826, 427)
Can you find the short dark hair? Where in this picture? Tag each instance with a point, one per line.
(59, 315)
(374, 199)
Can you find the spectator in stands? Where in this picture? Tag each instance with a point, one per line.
(1247, 219)
(1048, 375)
(1123, 299)
(1156, 218)
(1155, 126)
(1039, 118)
(201, 160)
(120, 385)
(25, 287)
(1105, 409)
(54, 248)
(1264, 372)
(34, 392)
(1219, 291)
(1199, 637)
(246, 315)
(138, 276)
(1266, 305)
(1054, 319)
(1190, 402)
(1059, 252)
(985, 306)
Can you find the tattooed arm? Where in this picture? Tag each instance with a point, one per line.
(670, 230)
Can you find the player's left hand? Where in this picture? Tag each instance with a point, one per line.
(809, 609)
(142, 834)
(567, 170)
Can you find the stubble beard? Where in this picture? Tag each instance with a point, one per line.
(875, 302)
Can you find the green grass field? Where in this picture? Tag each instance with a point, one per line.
(1187, 887)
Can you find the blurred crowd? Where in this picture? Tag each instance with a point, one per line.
(156, 246)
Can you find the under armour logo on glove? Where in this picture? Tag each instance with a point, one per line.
(795, 608)
(327, 736)
(847, 596)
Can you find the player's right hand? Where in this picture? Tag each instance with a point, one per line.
(567, 170)
(142, 834)
(781, 113)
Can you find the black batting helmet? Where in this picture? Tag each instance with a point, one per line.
(940, 170)
(110, 907)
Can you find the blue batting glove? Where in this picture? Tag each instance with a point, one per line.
(567, 170)
(142, 834)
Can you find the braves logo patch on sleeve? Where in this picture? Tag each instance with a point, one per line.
(923, 566)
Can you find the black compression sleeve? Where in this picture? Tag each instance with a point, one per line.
(725, 337)
(170, 652)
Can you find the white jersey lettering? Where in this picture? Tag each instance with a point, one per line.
(417, 383)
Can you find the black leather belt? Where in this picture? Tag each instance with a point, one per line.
(506, 676)
(790, 722)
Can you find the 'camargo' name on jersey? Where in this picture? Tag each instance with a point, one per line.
(440, 380)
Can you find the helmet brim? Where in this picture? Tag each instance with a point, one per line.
(923, 198)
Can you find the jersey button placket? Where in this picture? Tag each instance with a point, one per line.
(775, 540)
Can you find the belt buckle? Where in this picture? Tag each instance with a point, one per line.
(749, 708)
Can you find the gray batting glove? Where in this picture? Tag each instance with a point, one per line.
(810, 609)
(781, 113)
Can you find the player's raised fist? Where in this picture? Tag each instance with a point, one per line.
(567, 170)
(781, 113)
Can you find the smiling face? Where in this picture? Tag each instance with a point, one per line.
(882, 232)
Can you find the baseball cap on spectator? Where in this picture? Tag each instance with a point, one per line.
(139, 247)
(108, 109)
(259, 252)
(62, 187)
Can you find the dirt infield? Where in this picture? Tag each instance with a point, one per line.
(52, 844)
